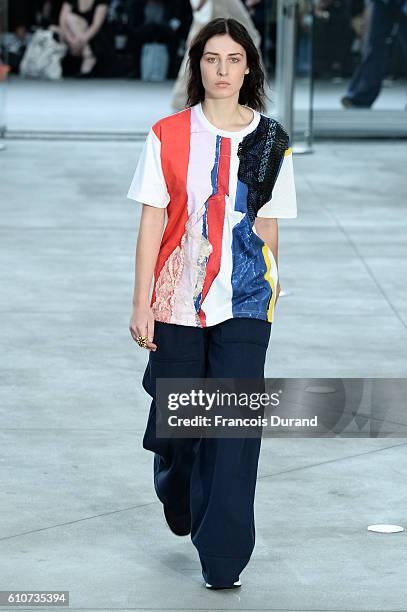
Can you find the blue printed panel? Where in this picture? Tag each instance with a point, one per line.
(251, 291)
(241, 196)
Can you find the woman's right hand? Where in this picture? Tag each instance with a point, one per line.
(142, 324)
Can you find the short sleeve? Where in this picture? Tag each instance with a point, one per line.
(148, 185)
(283, 203)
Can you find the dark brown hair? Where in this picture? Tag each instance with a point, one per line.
(252, 92)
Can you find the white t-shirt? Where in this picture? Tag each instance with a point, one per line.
(212, 265)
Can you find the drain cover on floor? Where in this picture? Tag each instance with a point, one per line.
(385, 528)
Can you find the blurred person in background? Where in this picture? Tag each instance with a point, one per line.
(256, 9)
(366, 82)
(80, 26)
(332, 38)
(13, 47)
(153, 21)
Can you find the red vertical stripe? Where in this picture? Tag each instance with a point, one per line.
(174, 133)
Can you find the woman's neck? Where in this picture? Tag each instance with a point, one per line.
(227, 114)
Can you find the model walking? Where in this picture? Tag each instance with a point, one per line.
(223, 171)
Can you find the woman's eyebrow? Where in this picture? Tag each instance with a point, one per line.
(213, 53)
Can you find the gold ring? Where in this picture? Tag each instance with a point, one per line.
(142, 341)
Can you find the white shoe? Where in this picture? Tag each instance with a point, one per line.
(235, 584)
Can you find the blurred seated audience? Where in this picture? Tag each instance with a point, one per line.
(81, 27)
(13, 46)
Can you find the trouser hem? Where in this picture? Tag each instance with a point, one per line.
(222, 571)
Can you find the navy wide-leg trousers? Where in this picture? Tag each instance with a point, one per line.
(213, 477)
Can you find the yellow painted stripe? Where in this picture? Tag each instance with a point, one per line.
(270, 280)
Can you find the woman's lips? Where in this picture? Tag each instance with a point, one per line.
(222, 84)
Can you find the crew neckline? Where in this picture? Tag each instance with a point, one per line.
(230, 134)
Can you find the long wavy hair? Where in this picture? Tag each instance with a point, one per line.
(252, 92)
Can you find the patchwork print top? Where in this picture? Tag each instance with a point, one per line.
(212, 264)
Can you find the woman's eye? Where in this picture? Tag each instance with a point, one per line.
(235, 60)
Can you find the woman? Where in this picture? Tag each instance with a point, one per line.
(212, 167)
(80, 24)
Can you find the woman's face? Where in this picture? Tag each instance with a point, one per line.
(223, 59)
